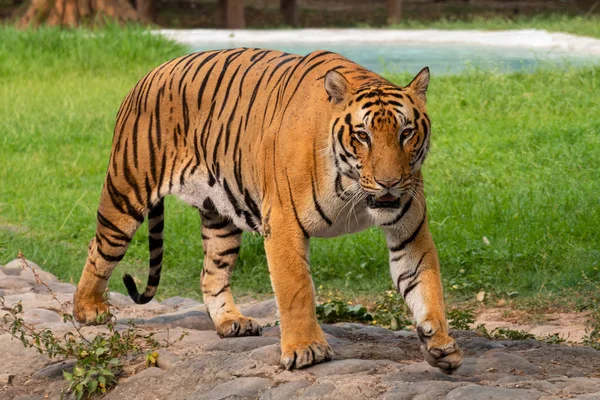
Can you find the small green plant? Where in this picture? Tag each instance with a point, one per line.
(391, 311)
(503, 333)
(461, 319)
(552, 339)
(592, 337)
(99, 360)
(337, 311)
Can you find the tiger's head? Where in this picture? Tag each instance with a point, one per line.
(380, 136)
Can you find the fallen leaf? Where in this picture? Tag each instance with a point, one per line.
(480, 296)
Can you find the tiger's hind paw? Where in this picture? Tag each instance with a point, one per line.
(90, 313)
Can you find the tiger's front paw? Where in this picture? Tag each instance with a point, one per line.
(236, 326)
(439, 349)
(301, 355)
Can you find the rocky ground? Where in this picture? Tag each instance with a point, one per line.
(370, 362)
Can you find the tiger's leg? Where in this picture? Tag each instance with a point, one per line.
(221, 242)
(415, 270)
(115, 228)
(303, 342)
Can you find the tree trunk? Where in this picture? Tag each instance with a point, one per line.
(289, 9)
(145, 10)
(394, 8)
(230, 14)
(72, 13)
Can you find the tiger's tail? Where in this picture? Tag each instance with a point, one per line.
(155, 240)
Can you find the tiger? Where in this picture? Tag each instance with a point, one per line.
(286, 146)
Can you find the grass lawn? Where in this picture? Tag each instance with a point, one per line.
(512, 179)
(578, 25)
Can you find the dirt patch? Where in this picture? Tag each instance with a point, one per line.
(571, 327)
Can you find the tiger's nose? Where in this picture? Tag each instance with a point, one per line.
(388, 183)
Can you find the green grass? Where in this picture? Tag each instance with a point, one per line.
(578, 25)
(515, 159)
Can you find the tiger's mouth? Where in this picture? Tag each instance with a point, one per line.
(385, 201)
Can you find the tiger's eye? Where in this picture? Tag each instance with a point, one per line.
(362, 135)
(407, 133)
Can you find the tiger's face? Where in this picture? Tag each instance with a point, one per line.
(380, 137)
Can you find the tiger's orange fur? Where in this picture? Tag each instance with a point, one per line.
(288, 146)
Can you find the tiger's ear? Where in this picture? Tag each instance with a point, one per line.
(420, 84)
(336, 86)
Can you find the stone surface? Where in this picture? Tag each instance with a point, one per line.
(241, 344)
(285, 391)
(195, 319)
(264, 309)
(6, 379)
(54, 370)
(492, 393)
(269, 355)
(342, 367)
(318, 390)
(38, 315)
(241, 387)
(180, 302)
(369, 363)
(166, 360)
(582, 386)
(15, 268)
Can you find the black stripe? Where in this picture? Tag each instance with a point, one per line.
(183, 171)
(228, 126)
(160, 93)
(235, 232)
(172, 174)
(315, 65)
(237, 171)
(220, 264)
(185, 111)
(228, 252)
(153, 280)
(158, 228)
(155, 262)
(417, 114)
(252, 206)
(154, 243)
(231, 198)
(220, 291)
(103, 238)
(317, 205)
(203, 62)
(216, 225)
(410, 288)
(186, 68)
(407, 275)
(412, 237)
(228, 89)
(204, 82)
(148, 192)
(208, 205)
(108, 257)
(129, 176)
(106, 223)
(279, 65)
(253, 97)
(294, 208)
(161, 178)
(403, 211)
